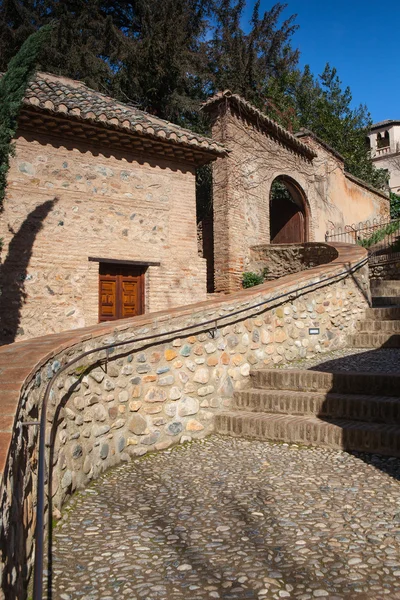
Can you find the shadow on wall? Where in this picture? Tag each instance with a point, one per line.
(13, 271)
(365, 389)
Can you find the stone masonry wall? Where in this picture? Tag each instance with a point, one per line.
(153, 394)
(385, 270)
(68, 201)
(274, 261)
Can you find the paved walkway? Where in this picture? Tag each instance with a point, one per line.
(234, 519)
(382, 360)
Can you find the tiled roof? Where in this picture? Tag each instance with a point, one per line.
(269, 124)
(308, 133)
(56, 94)
(385, 123)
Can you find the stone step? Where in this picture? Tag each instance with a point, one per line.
(385, 287)
(372, 326)
(339, 434)
(318, 381)
(378, 409)
(373, 340)
(383, 314)
(379, 301)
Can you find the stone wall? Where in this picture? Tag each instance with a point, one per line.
(274, 261)
(390, 269)
(68, 200)
(341, 198)
(152, 394)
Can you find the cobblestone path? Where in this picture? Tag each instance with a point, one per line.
(382, 360)
(234, 519)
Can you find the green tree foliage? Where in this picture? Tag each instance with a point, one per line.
(85, 42)
(167, 56)
(394, 206)
(163, 66)
(246, 63)
(12, 90)
(323, 106)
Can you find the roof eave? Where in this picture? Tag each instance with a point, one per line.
(211, 152)
(270, 125)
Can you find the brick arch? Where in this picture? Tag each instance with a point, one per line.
(289, 220)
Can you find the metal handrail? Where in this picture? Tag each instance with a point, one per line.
(39, 529)
(357, 233)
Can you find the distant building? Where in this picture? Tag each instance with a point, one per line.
(384, 141)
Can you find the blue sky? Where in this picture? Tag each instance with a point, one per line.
(359, 38)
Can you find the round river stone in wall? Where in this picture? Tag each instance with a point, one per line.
(104, 451)
(188, 406)
(174, 428)
(137, 424)
(155, 395)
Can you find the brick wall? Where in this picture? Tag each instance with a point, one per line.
(66, 201)
(242, 184)
(241, 189)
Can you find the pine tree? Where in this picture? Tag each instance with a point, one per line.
(12, 90)
(324, 107)
(247, 63)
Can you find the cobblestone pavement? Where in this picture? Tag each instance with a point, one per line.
(234, 519)
(383, 360)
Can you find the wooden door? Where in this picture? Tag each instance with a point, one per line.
(121, 292)
(287, 223)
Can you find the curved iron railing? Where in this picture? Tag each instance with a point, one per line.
(208, 325)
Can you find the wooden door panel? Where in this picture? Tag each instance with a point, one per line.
(108, 299)
(129, 301)
(287, 223)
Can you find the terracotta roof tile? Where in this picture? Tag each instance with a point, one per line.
(56, 94)
(270, 125)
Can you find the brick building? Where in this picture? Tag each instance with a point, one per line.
(321, 195)
(99, 221)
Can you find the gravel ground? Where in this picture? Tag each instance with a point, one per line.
(234, 519)
(384, 360)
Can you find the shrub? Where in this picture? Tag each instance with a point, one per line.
(380, 234)
(250, 279)
(12, 90)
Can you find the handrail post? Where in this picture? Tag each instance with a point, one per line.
(39, 537)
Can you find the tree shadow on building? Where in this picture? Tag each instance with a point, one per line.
(364, 404)
(14, 270)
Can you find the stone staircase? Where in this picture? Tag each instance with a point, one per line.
(381, 326)
(351, 411)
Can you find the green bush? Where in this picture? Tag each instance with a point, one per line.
(12, 91)
(394, 206)
(380, 234)
(250, 279)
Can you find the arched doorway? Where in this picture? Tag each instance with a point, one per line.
(288, 212)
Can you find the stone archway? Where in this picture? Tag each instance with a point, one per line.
(288, 212)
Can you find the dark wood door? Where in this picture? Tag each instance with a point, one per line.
(287, 223)
(121, 292)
